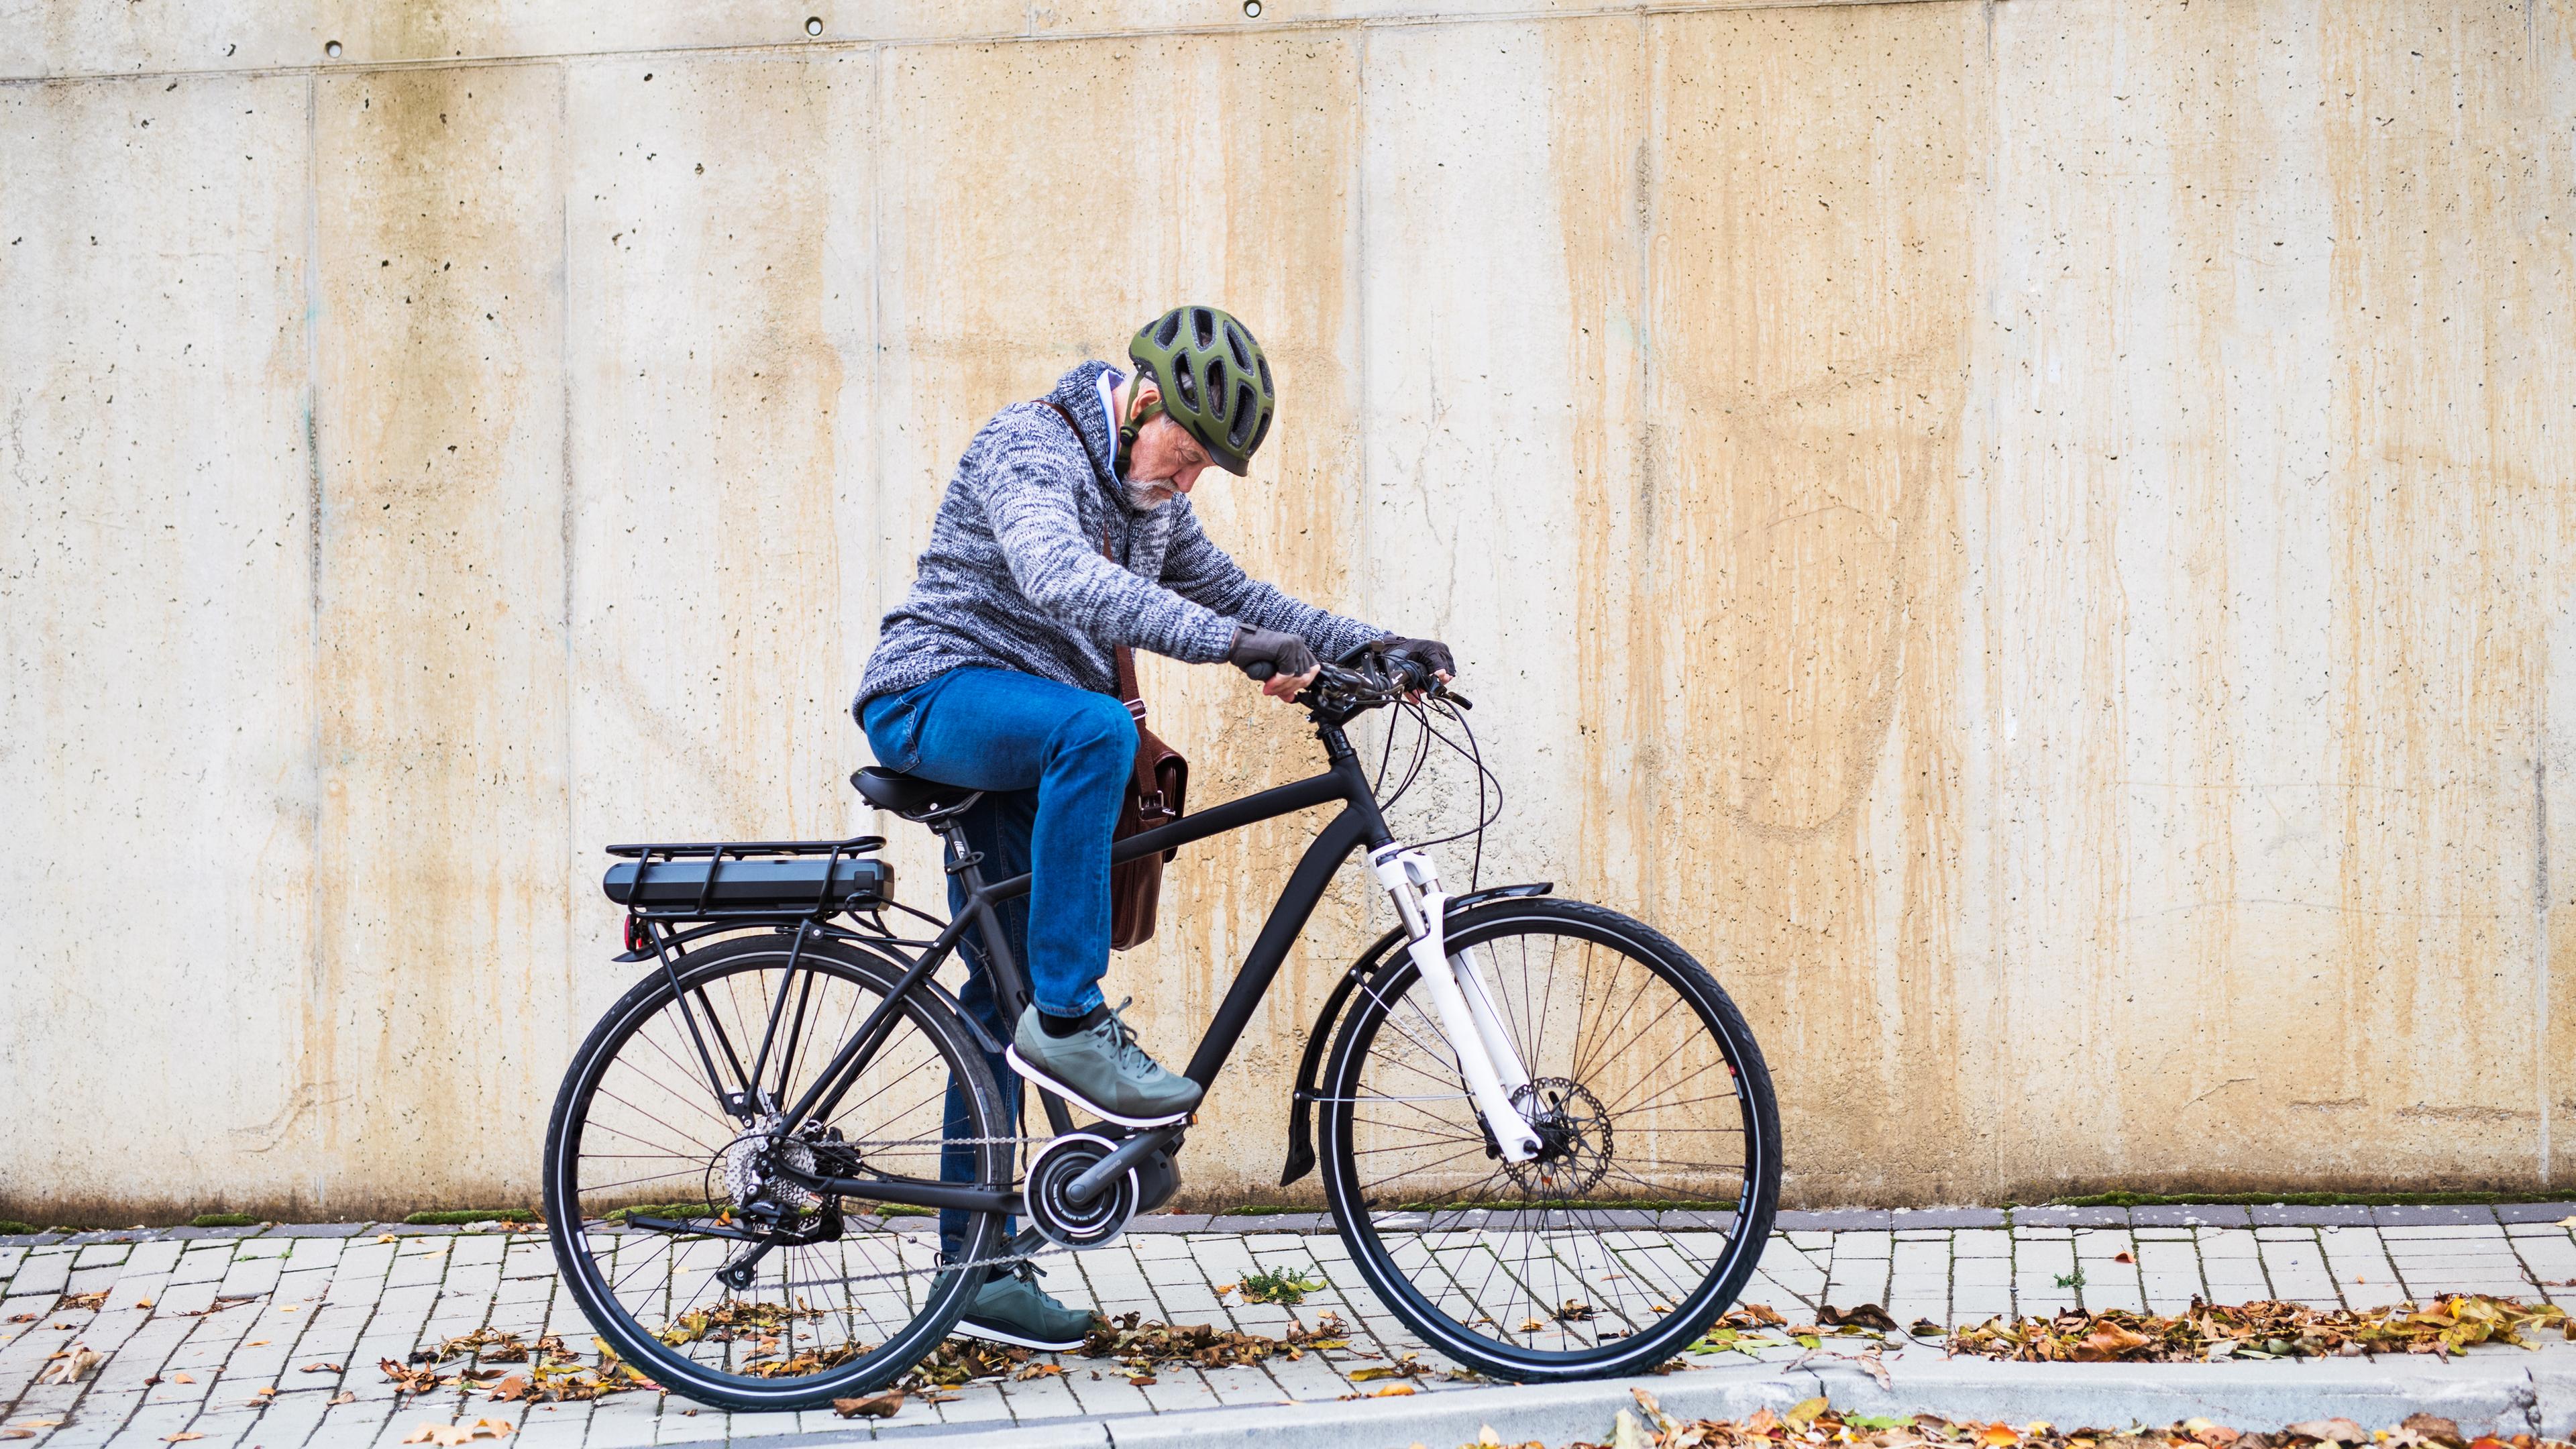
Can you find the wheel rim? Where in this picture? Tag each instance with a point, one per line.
(643, 1146)
(1623, 1236)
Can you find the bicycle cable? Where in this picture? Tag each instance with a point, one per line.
(1489, 786)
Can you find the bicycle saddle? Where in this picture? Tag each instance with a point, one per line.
(911, 796)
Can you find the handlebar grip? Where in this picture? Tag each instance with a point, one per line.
(1261, 671)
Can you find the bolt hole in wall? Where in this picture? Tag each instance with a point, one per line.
(1251, 9)
(813, 25)
(331, 49)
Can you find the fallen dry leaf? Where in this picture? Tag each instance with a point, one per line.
(82, 1300)
(2433, 1427)
(449, 1435)
(142, 1302)
(319, 1368)
(183, 1378)
(2339, 1431)
(1393, 1391)
(2124, 1256)
(345, 1396)
(874, 1406)
(182, 1437)
(1867, 1315)
(16, 1433)
(71, 1365)
(2263, 1329)
(256, 1343)
(384, 1237)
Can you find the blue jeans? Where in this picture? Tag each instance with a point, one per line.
(1053, 762)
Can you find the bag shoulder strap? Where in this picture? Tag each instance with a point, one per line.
(1057, 408)
(1128, 690)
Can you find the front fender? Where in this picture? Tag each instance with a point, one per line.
(1301, 1103)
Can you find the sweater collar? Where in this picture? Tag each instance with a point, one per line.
(1078, 393)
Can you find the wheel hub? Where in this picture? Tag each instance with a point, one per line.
(1573, 1134)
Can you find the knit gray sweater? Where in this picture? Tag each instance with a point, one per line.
(1014, 578)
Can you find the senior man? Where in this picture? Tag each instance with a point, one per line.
(1066, 533)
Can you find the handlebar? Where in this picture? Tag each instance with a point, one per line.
(1350, 690)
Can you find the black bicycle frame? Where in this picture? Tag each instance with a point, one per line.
(1360, 823)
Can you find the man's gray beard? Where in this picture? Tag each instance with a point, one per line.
(1146, 497)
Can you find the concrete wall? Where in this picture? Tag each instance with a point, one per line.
(2034, 536)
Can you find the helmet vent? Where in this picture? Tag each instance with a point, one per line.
(1184, 381)
(1244, 412)
(1264, 364)
(1216, 386)
(1242, 350)
(1203, 326)
(1170, 329)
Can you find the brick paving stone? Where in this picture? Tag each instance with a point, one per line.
(2534, 1212)
(2413, 1216)
(2190, 1215)
(43, 1272)
(1949, 1218)
(349, 1300)
(2285, 1215)
(2069, 1217)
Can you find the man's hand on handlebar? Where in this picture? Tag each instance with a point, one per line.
(1282, 662)
(1427, 660)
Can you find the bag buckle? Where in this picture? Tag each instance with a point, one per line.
(1136, 709)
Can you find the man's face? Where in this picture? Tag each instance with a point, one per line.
(1166, 454)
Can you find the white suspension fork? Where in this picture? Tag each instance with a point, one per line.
(1458, 996)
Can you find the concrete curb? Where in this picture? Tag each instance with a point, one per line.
(1556, 1413)
(2495, 1390)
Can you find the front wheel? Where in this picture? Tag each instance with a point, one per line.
(1649, 1203)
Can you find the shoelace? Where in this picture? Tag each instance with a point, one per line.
(1129, 1054)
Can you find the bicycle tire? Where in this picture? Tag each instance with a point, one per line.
(583, 1259)
(1511, 1347)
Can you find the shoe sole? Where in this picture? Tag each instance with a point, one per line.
(971, 1329)
(1020, 1064)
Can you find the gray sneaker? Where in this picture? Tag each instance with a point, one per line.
(1103, 1070)
(1011, 1309)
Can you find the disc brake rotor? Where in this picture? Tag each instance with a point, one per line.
(1574, 1139)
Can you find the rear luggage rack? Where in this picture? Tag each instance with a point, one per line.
(780, 881)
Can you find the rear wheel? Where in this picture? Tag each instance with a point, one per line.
(715, 1277)
(1648, 1206)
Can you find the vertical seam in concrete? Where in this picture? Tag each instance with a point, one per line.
(317, 966)
(2540, 918)
(1648, 800)
(1361, 337)
(570, 738)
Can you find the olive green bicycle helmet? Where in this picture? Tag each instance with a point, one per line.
(1213, 379)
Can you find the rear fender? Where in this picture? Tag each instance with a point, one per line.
(1301, 1105)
